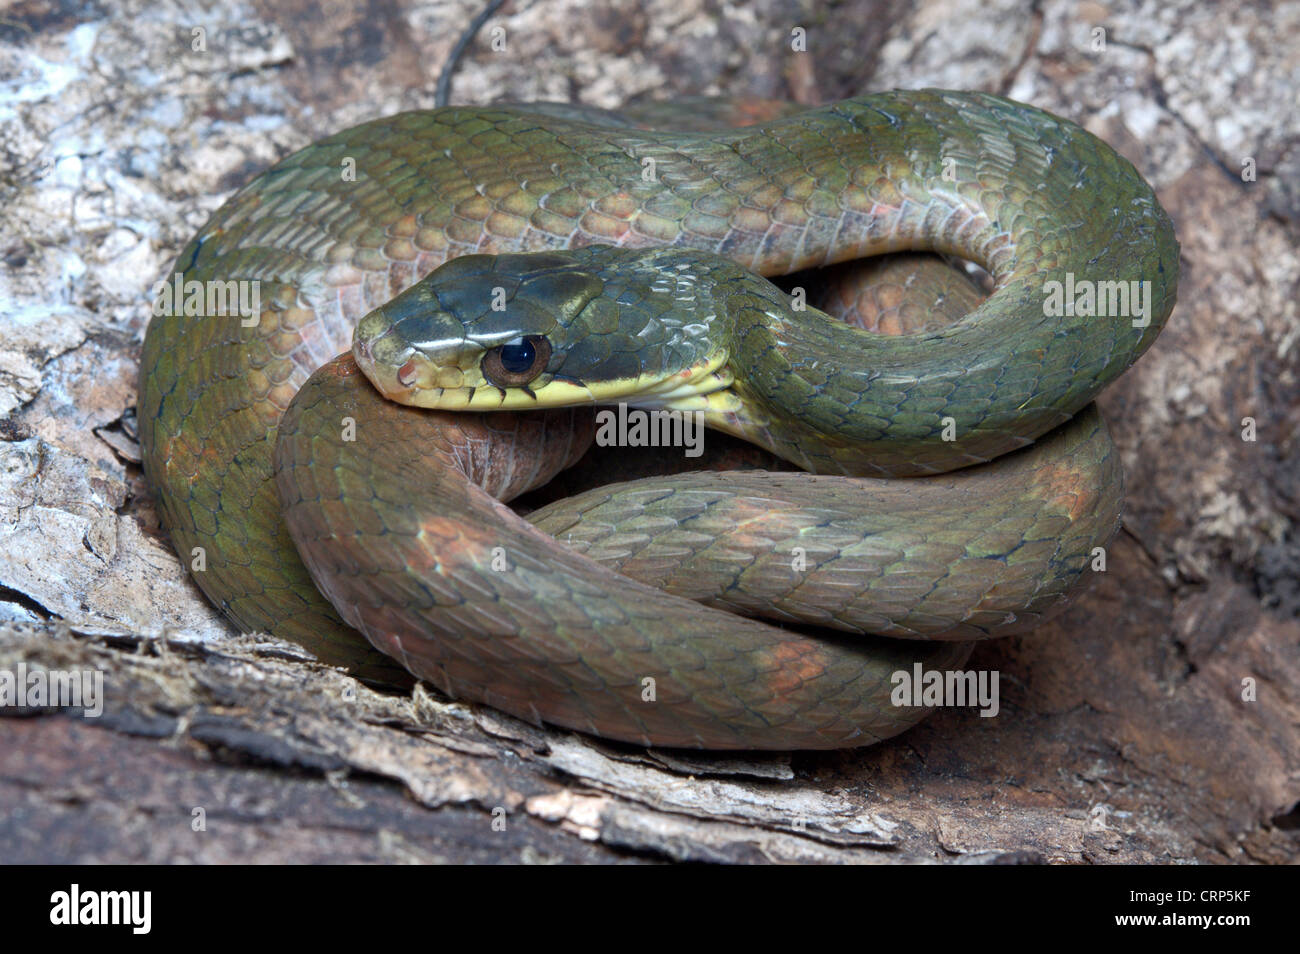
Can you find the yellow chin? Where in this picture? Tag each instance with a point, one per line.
(700, 387)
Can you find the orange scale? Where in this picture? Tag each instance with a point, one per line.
(604, 226)
(340, 253)
(399, 250)
(789, 212)
(621, 205)
(504, 225)
(431, 239)
(405, 227)
(751, 220)
(477, 207)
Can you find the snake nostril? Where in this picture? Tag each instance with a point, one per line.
(362, 350)
(406, 374)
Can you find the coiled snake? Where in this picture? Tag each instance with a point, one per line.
(395, 509)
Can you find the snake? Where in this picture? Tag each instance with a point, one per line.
(448, 296)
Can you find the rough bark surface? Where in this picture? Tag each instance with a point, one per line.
(1128, 730)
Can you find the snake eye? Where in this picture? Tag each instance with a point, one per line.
(517, 362)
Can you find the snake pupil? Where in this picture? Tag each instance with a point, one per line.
(517, 362)
(518, 358)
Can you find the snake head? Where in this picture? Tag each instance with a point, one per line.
(547, 329)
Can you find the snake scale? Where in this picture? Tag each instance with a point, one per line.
(614, 612)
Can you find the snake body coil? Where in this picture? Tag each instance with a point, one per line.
(402, 529)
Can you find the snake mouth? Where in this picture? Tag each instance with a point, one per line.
(421, 382)
(702, 386)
